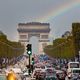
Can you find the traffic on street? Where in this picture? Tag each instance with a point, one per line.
(44, 68)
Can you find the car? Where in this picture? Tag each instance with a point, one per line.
(75, 74)
(35, 73)
(49, 70)
(25, 72)
(70, 66)
(51, 75)
(60, 75)
(43, 68)
(43, 74)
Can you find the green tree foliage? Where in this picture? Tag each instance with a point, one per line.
(10, 49)
(76, 36)
(61, 48)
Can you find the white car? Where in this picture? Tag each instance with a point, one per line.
(75, 74)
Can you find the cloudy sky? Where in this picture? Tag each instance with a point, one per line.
(59, 13)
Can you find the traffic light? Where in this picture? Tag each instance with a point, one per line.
(32, 61)
(29, 49)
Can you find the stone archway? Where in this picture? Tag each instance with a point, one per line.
(40, 30)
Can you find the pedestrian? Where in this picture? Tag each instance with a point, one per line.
(11, 76)
(37, 76)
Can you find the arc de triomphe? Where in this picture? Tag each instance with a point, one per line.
(40, 30)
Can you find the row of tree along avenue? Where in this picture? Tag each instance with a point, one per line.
(9, 49)
(68, 46)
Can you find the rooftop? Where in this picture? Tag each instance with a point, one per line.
(33, 23)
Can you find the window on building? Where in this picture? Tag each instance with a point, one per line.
(23, 36)
(44, 36)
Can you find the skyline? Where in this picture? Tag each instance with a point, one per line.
(60, 14)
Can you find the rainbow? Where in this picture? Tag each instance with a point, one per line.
(58, 11)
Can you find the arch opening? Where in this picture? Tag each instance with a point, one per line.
(35, 46)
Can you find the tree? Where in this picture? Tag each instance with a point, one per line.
(8, 48)
(61, 48)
